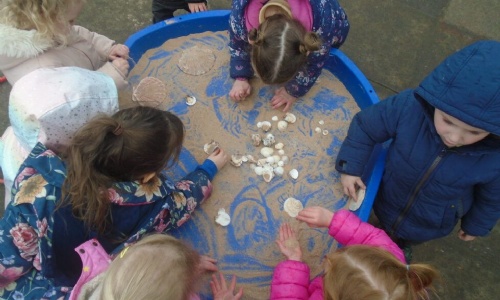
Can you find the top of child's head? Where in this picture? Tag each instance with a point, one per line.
(280, 46)
(50, 18)
(367, 272)
(156, 267)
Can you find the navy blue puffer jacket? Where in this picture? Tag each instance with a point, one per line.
(427, 188)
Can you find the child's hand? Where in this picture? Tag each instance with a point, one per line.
(350, 184)
(122, 66)
(219, 157)
(465, 237)
(288, 243)
(118, 51)
(241, 89)
(315, 216)
(281, 97)
(221, 291)
(207, 264)
(196, 7)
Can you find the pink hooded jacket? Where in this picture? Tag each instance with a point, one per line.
(291, 278)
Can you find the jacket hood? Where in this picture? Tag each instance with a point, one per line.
(19, 43)
(466, 85)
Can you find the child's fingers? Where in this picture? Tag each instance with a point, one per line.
(215, 283)
(222, 281)
(239, 294)
(233, 283)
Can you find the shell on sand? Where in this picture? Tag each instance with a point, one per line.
(150, 91)
(292, 206)
(354, 205)
(196, 60)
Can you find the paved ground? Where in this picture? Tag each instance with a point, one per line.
(395, 43)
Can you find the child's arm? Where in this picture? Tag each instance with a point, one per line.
(239, 66)
(345, 227)
(197, 5)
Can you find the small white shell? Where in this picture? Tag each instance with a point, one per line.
(282, 125)
(292, 207)
(317, 130)
(236, 160)
(279, 171)
(259, 124)
(276, 158)
(251, 159)
(354, 205)
(262, 162)
(267, 175)
(294, 173)
(321, 122)
(266, 151)
(281, 163)
(270, 159)
(325, 132)
(274, 118)
(281, 152)
(222, 218)
(284, 159)
(279, 146)
(190, 100)
(258, 170)
(290, 118)
(268, 140)
(266, 126)
(210, 147)
(256, 139)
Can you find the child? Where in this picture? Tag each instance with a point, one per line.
(40, 33)
(156, 267)
(289, 42)
(109, 186)
(371, 266)
(66, 98)
(442, 165)
(164, 9)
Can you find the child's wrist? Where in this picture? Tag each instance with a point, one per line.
(241, 78)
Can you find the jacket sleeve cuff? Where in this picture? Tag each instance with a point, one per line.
(110, 70)
(208, 167)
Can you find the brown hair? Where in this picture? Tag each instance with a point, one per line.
(157, 267)
(124, 147)
(47, 17)
(366, 272)
(279, 48)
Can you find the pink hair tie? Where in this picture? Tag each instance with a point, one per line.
(118, 130)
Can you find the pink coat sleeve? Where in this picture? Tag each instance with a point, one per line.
(348, 230)
(290, 280)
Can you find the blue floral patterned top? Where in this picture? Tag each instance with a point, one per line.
(329, 22)
(37, 240)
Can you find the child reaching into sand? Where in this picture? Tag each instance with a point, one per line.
(368, 266)
(110, 185)
(158, 266)
(285, 42)
(41, 34)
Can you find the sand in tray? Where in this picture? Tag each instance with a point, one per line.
(246, 247)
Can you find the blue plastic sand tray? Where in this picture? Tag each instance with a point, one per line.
(190, 56)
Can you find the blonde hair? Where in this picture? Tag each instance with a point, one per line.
(157, 267)
(280, 47)
(370, 273)
(47, 17)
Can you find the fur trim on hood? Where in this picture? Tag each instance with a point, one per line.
(19, 43)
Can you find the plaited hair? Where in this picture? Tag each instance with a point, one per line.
(130, 144)
(280, 47)
(370, 273)
(157, 267)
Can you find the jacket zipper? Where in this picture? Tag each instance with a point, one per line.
(409, 204)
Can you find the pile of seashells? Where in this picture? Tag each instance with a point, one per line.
(274, 159)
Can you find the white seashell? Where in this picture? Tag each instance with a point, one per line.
(222, 218)
(321, 122)
(317, 130)
(292, 207)
(236, 160)
(294, 173)
(258, 170)
(279, 171)
(256, 139)
(269, 140)
(210, 147)
(281, 163)
(290, 118)
(259, 124)
(354, 205)
(325, 132)
(267, 175)
(190, 100)
(279, 146)
(277, 158)
(281, 152)
(274, 118)
(266, 151)
(284, 159)
(251, 159)
(262, 162)
(266, 126)
(282, 125)
(270, 159)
